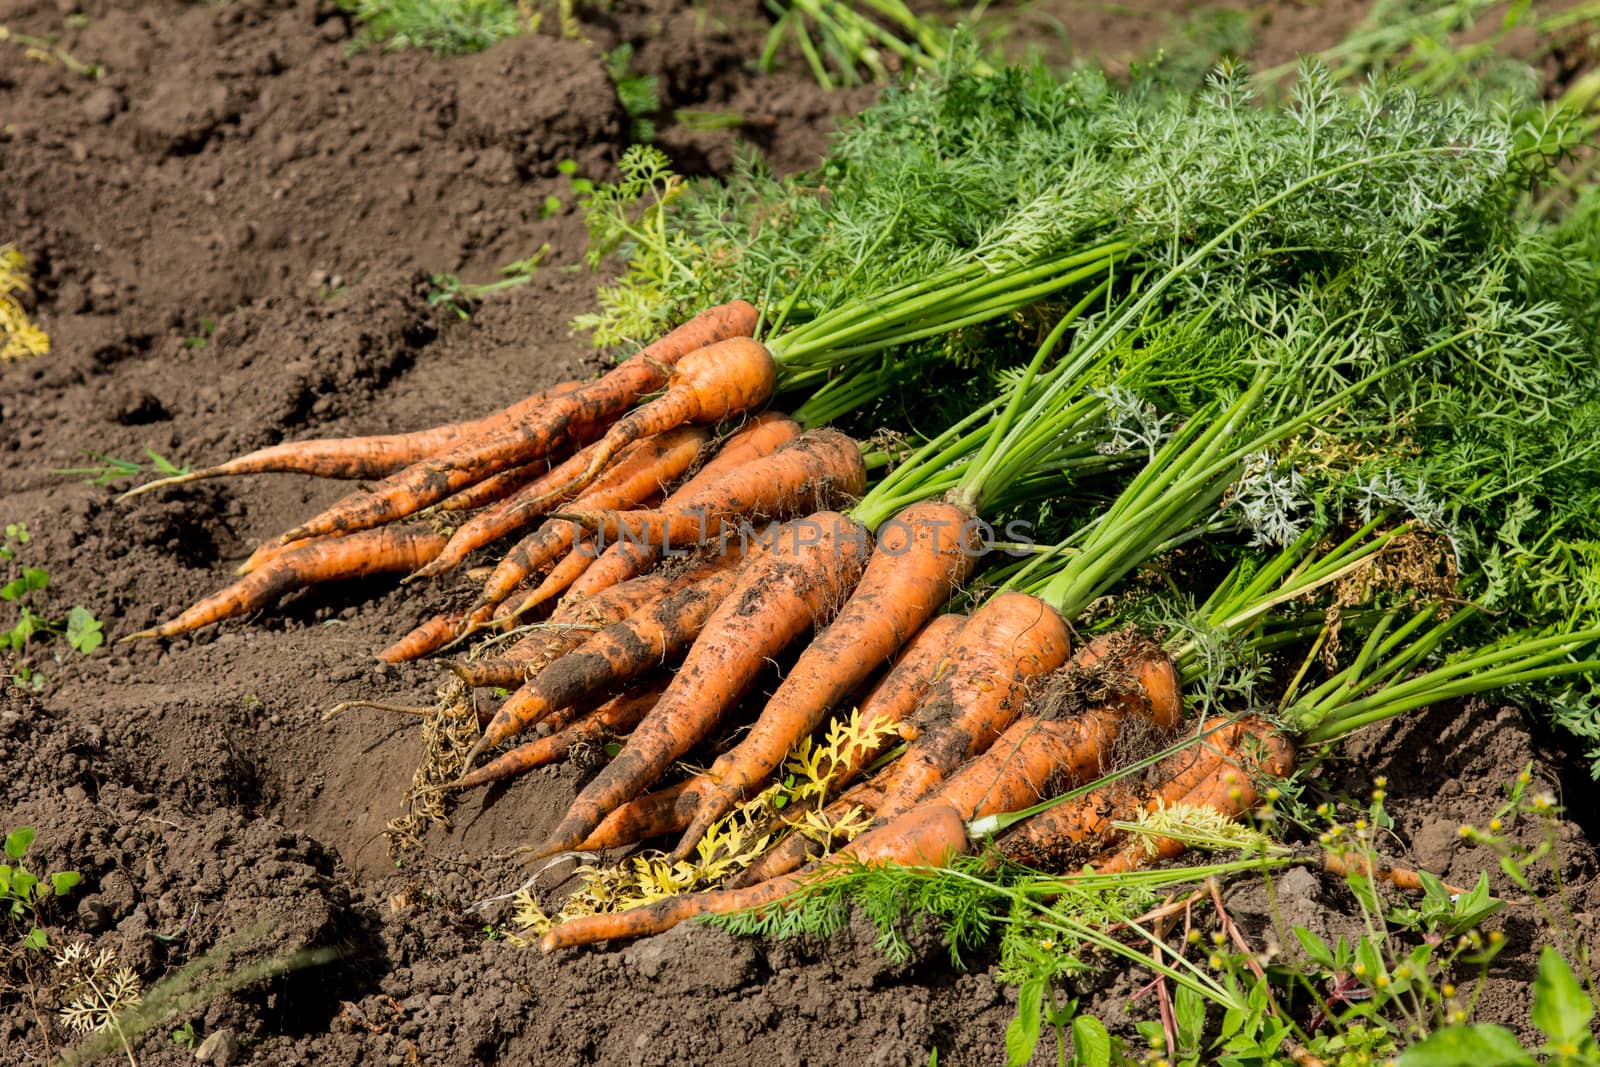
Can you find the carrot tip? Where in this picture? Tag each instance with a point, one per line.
(137, 636)
(159, 483)
(473, 754)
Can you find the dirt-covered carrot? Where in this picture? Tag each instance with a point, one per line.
(573, 623)
(571, 419)
(761, 435)
(495, 488)
(1058, 838)
(1009, 641)
(1222, 776)
(797, 583)
(396, 548)
(656, 634)
(816, 470)
(526, 505)
(707, 385)
(641, 472)
(612, 719)
(922, 554)
(426, 637)
(569, 569)
(926, 837)
(361, 457)
(1067, 752)
(651, 815)
(268, 550)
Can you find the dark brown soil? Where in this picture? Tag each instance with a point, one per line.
(232, 233)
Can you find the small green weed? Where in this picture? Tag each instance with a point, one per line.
(640, 94)
(199, 340)
(185, 1036)
(80, 628)
(22, 892)
(107, 469)
(451, 292)
(448, 27)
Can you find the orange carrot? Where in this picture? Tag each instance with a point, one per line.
(1056, 838)
(427, 636)
(570, 568)
(795, 584)
(614, 718)
(648, 816)
(922, 554)
(1008, 642)
(647, 466)
(268, 550)
(896, 698)
(926, 837)
(815, 470)
(361, 457)
(1222, 776)
(357, 556)
(495, 488)
(707, 385)
(655, 634)
(526, 505)
(570, 626)
(760, 436)
(1068, 751)
(570, 419)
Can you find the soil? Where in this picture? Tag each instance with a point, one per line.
(232, 233)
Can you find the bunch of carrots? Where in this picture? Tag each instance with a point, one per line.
(674, 536)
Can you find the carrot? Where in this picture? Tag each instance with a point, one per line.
(495, 488)
(651, 815)
(526, 505)
(647, 466)
(894, 699)
(268, 550)
(361, 457)
(570, 626)
(795, 584)
(425, 638)
(811, 472)
(570, 568)
(372, 552)
(1069, 751)
(1054, 839)
(612, 719)
(1008, 642)
(572, 418)
(760, 436)
(624, 650)
(922, 554)
(1221, 775)
(707, 385)
(926, 837)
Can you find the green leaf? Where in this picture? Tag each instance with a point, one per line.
(1022, 1033)
(1091, 1043)
(83, 630)
(37, 939)
(22, 883)
(1190, 1009)
(1315, 948)
(19, 841)
(64, 881)
(1478, 1045)
(1560, 1007)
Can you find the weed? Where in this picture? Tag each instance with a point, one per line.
(45, 50)
(199, 340)
(22, 892)
(185, 1036)
(450, 292)
(19, 338)
(640, 94)
(81, 629)
(107, 469)
(448, 27)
